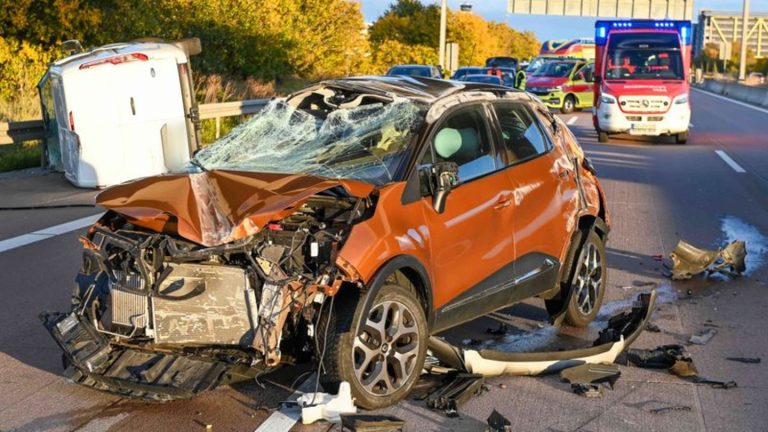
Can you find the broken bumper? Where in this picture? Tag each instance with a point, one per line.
(621, 332)
(130, 371)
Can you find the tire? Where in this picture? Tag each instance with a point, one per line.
(681, 138)
(569, 104)
(345, 359)
(602, 136)
(588, 282)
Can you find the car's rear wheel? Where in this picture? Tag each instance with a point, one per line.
(383, 361)
(588, 282)
(602, 136)
(681, 138)
(569, 104)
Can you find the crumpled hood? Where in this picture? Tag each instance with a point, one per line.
(217, 207)
(545, 81)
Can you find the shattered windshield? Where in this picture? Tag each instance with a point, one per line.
(368, 142)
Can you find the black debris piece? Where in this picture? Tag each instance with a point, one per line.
(666, 409)
(750, 360)
(371, 423)
(672, 357)
(716, 384)
(702, 337)
(586, 379)
(501, 330)
(455, 393)
(498, 423)
(652, 327)
(639, 283)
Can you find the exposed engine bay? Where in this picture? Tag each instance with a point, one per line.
(159, 317)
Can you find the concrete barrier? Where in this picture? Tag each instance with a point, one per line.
(749, 94)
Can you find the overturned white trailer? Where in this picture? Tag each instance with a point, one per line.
(121, 111)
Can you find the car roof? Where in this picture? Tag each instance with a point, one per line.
(411, 66)
(423, 89)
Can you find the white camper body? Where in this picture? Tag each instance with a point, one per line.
(123, 111)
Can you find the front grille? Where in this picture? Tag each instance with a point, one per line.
(634, 118)
(128, 308)
(655, 118)
(644, 103)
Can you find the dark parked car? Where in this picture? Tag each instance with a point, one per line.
(346, 223)
(483, 78)
(426, 71)
(467, 70)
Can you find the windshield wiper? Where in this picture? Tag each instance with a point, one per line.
(197, 163)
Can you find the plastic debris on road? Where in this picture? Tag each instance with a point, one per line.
(326, 406)
(689, 260)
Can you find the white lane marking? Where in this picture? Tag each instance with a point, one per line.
(283, 419)
(756, 108)
(732, 163)
(572, 120)
(46, 233)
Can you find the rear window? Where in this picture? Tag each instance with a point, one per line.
(412, 71)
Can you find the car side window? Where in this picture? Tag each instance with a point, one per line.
(523, 138)
(463, 138)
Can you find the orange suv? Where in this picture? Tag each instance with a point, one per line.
(345, 223)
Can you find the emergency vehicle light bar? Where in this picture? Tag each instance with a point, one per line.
(603, 27)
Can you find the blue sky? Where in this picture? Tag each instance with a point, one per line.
(545, 27)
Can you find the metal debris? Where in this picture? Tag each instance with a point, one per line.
(664, 410)
(455, 393)
(702, 337)
(672, 357)
(586, 379)
(716, 384)
(688, 260)
(371, 423)
(498, 423)
(652, 327)
(749, 360)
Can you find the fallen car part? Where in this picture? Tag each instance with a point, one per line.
(703, 337)
(621, 332)
(324, 406)
(688, 260)
(716, 384)
(664, 410)
(749, 360)
(132, 372)
(586, 379)
(371, 423)
(672, 357)
(498, 423)
(458, 390)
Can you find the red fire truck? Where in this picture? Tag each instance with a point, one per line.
(641, 70)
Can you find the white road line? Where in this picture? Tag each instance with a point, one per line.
(46, 233)
(763, 110)
(572, 120)
(732, 163)
(283, 419)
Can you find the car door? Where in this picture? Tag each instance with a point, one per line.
(542, 189)
(587, 88)
(471, 242)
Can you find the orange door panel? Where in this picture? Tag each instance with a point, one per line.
(473, 238)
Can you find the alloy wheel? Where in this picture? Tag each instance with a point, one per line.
(386, 350)
(589, 280)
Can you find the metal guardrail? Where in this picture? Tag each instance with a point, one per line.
(17, 132)
(31, 130)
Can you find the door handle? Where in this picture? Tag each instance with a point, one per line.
(502, 204)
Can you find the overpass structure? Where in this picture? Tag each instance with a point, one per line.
(652, 9)
(725, 27)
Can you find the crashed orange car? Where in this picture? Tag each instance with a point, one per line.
(344, 224)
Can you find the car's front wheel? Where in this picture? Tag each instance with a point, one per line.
(569, 104)
(383, 361)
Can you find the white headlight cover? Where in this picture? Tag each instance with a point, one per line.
(606, 98)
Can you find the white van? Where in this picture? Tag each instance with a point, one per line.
(122, 111)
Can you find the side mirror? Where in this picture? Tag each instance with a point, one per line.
(444, 176)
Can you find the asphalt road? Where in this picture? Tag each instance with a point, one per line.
(657, 193)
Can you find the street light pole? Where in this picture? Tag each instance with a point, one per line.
(443, 21)
(743, 54)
